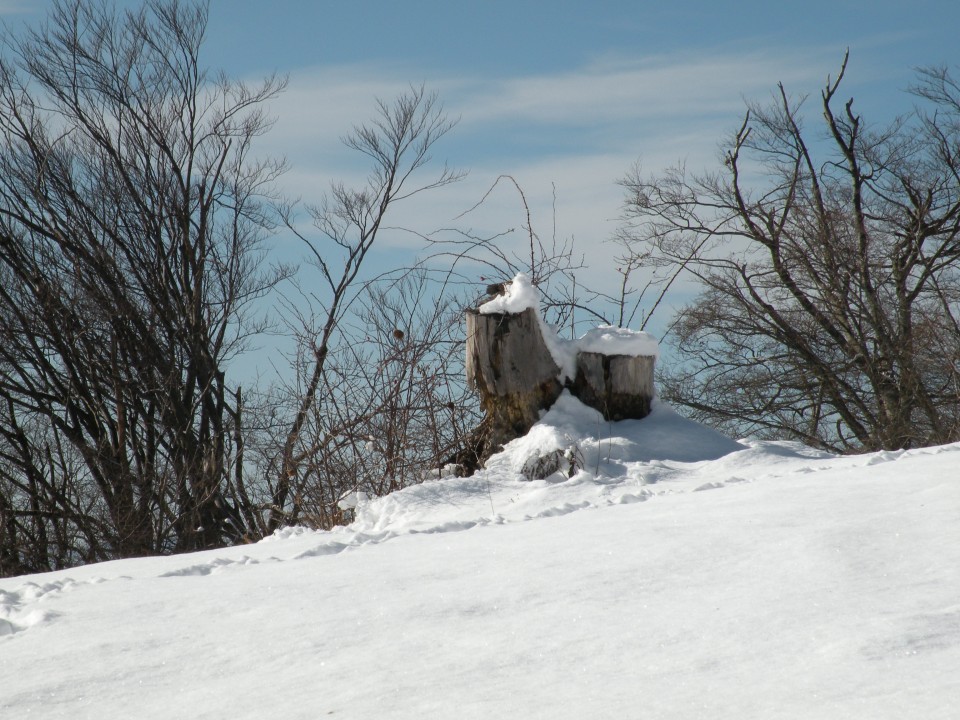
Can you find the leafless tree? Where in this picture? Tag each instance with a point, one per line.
(346, 226)
(132, 212)
(828, 268)
(392, 408)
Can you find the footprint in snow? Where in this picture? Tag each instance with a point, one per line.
(16, 611)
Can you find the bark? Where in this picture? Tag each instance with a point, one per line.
(619, 386)
(511, 368)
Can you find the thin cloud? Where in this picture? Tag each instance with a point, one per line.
(641, 88)
(566, 137)
(606, 101)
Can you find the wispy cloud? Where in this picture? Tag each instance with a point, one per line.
(566, 137)
(604, 102)
(640, 88)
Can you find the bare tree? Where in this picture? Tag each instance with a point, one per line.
(828, 268)
(131, 216)
(348, 223)
(392, 408)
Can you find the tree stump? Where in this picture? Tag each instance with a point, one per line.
(511, 368)
(619, 386)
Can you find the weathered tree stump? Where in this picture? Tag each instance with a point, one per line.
(511, 368)
(619, 386)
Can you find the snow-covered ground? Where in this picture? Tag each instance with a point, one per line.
(677, 574)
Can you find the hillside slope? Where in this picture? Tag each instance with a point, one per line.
(677, 574)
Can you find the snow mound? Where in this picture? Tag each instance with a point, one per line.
(612, 463)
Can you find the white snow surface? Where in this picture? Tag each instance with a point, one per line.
(609, 340)
(802, 585)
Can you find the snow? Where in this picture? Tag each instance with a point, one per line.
(608, 340)
(351, 500)
(563, 352)
(519, 295)
(677, 574)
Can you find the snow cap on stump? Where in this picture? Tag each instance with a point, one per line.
(609, 340)
(517, 295)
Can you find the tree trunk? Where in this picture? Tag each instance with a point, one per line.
(511, 368)
(619, 386)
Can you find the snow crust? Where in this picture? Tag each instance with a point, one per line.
(676, 574)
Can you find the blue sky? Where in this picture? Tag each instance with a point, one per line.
(565, 96)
